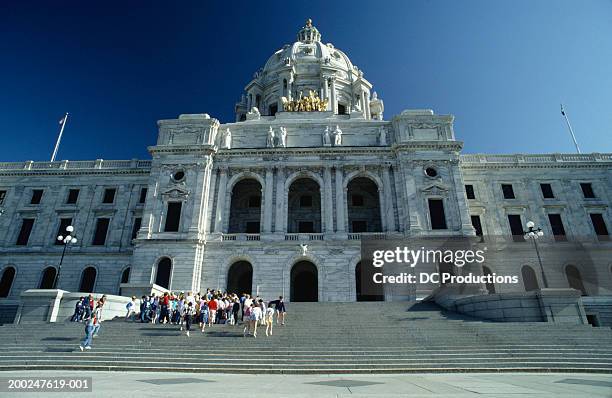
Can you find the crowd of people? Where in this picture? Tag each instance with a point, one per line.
(186, 309)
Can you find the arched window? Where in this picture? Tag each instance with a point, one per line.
(6, 282)
(48, 278)
(304, 206)
(163, 272)
(490, 285)
(125, 275)
(530, 281)
(88, 280)
(574, 279)
(363, 206)
(245, 207)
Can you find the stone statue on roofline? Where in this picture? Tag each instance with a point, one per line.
(270, 142)
(326, 137)
(226, 139)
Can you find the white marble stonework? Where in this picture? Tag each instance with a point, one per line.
(246, 199)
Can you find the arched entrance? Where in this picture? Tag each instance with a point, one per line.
(304, 282)
(240, 278)
(530, 281)
(365, 288)
(8, 275)
(245, 209)
(489, 285)
(575, 279)
(163, 272)
(48, 277)
(125, 275)
(363, 206)
(88, 280)
(304, 206)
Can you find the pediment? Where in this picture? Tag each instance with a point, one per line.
(176, 193)
(435, 190)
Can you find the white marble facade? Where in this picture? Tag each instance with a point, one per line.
(241, 185)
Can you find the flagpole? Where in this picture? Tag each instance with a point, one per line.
(59, 138)
(569, 126)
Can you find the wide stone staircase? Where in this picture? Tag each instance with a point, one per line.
(365, 337)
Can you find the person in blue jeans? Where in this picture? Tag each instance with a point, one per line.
(90, 324)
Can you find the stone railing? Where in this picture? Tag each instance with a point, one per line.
(98, 164)
(241, 237)
(298, 236)
(371, 235)
(537, 158)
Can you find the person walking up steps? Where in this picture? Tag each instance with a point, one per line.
(269, 320)
(188, 316)
(90, 320)
(256, 316)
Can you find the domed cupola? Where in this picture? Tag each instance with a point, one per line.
(309, 33)
(297, 69)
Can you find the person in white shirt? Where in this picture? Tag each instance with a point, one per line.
(131, 309)
(256, 316)
(269, 320)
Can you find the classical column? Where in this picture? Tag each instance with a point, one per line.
(333, 103)
(339, 199)
(367, 105)
(267, 215)
(280, 225)
(327, 198)
(221, 199)
(389, 211)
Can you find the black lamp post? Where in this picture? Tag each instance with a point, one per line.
(533, 234)
(69, 239)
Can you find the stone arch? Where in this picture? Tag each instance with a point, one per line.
(162, 272)
(240, 277)
(304, 282)
(530, 279)
(300, 217)
(89, 277)
(245, 207)
(244, 175)
(490, 286)
(574, 278)
(7, 278)
(47, 277)
(365, 291)
(291, 261)
(363, 174)
(365, 214)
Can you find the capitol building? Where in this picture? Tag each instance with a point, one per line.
(278, 201)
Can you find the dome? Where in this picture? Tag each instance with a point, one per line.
(303, 66)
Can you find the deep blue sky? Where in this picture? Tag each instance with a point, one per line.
(501, 67)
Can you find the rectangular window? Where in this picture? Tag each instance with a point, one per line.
(36, 196)
(305, 227)
(599, 225)
(469, 191)
(508, 191)
(547, 192)
(173, 217)
(24, 233)
(556, 225)
(306, 201)
(587, 190)
(143, 195)
(109, 195)
(436, 214)
(2, 197)
(252, 227)
(254, 201)
(99, 238)
(73, 196)
(516, 227)
(136, 227)
(477, 225)
(61, 231)
(359, 226)
(357, 200)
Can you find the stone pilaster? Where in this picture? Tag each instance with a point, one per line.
(340, 218)
(221, 198)
(267, 201)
